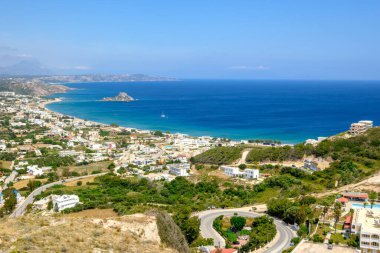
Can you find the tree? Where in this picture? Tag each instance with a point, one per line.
(10, 203)
(189, 226)
(237, 223)
(325, 210)
(365, 204)
(158, 133)
(111, 166)
(337, 213)
(372, 198)
(295, 214)
(32, 184)
(190, 229)
(50, 205)
(242, 166)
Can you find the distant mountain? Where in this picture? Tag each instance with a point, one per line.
(103, 78)
(30, 86)
(25, 67)
(42, 85)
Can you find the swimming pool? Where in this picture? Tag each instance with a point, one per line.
(360, 205)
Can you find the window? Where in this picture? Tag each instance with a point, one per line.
(365, 243)
(365, 236)
(375, 236)
(374, 244)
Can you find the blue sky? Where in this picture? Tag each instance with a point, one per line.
(283, 39)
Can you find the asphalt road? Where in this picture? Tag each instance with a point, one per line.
(9, 179)
(20, 210)
(285, 234)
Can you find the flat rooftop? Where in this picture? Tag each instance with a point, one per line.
(310, 247)
(369, 218)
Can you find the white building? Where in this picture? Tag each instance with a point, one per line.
(93, 135)
(65, 153)
(232, 171)
(366, 223)
(34, 170)
(310, 164)
(65, 201)
(3, 146)
(360, 127)
(7, 94)
(251, 173)
(367, 123)
(179, 169)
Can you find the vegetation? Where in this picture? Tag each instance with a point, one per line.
(7, 156)
(300, 211)
(237, 223)
(280, 154)
(219, 155)
(363, 149)
(170, 233)
(263, 231)
(54, 161)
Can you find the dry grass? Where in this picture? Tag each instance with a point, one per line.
(98, 166)
(137, 233)
(23, 183)
(5, 164)
(94, 213)
(84, 181)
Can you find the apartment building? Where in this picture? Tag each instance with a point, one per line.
(179, 169)
(360, 127)
(366, 224)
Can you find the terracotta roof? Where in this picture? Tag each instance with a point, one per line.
(224, 251)
(348, 220)
(356, 195)
(343, 200)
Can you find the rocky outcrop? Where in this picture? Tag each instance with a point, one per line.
(121, 97)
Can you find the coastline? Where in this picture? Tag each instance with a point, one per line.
(56, 100)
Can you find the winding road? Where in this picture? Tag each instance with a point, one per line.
(278, 244)
(20, 209)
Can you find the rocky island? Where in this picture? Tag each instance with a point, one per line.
(122, 97)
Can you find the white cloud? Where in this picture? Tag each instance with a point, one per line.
(78, 67)
(82, 67)
(245, 67)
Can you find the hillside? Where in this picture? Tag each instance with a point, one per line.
(27, 86)
(134, 233)
(218, 155)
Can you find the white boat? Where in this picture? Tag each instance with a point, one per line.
(163, 115)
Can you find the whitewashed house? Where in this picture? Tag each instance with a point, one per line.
(251, 173)
(65, 201)
(232, 171)
(34, 170)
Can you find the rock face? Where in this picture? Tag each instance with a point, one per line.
(36, 233)
(122, 97)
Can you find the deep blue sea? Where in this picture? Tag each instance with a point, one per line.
(290, 111)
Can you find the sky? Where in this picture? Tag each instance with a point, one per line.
(242, 39)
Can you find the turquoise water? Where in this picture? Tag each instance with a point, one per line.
(356, 206)
(290, 111)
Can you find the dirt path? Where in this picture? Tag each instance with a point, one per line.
(243, 157)
(370, 184)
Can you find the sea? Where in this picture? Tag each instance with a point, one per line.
(288, 111)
